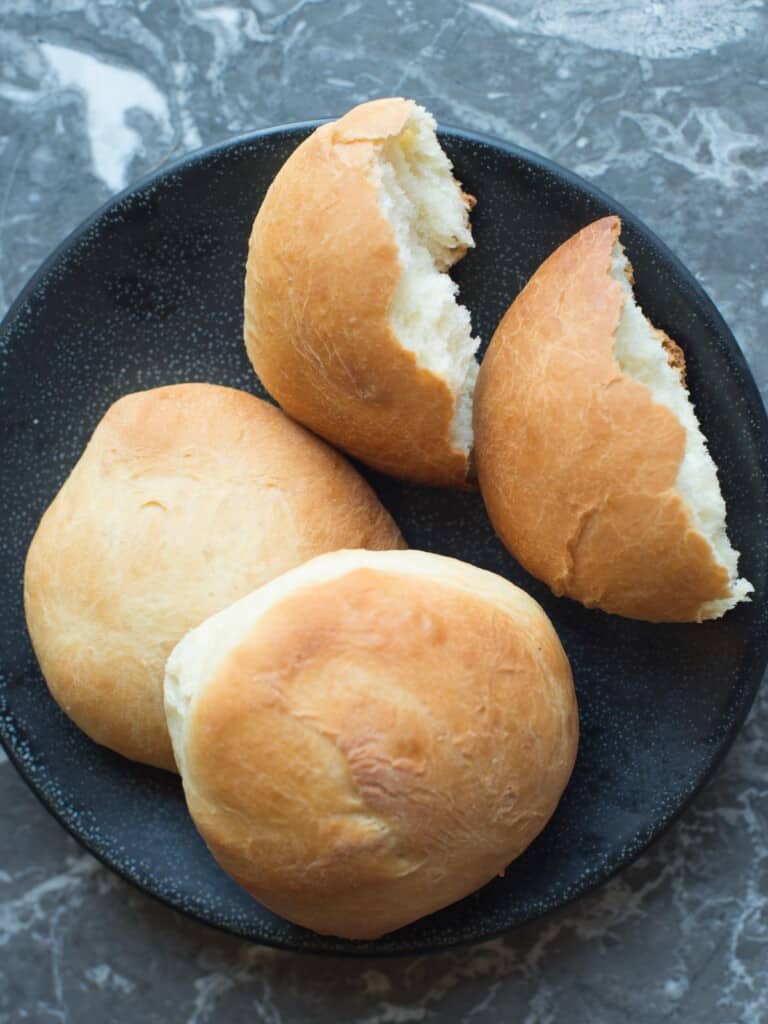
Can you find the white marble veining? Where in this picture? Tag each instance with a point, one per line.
(108, 93)
(663, 104)
(656, 30)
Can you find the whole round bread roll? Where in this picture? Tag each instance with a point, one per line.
(372, 736)
(185, 499)
(590, 458)
(351, 319)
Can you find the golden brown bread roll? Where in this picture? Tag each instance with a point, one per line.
(589, 455)
(185, 499)
(351, 321)
(372, 736)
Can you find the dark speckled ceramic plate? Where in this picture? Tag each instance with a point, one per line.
(149, 292)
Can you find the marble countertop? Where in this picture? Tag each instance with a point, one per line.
(661, 104)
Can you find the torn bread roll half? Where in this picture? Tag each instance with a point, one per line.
(351, 319)
(185, 499)
(590, 458)
(372, 736)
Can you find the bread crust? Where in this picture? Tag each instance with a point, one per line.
(577, 463)
(321, 274)
(379, 744)
(185, 499)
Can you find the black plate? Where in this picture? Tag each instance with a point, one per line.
(149, 292)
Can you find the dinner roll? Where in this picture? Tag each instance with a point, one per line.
(185, 499)
(590, 458)
(372, 736)
(351, 319)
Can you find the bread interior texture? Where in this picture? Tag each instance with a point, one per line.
(428, 214)
(640, 352)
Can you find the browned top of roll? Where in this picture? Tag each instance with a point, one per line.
(576, 461)
(185, 499)
(372, 736)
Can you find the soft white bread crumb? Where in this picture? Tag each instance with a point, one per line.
(427, 211)
(641, 354)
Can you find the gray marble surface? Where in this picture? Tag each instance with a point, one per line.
(663, 105)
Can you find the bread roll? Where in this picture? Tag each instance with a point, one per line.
(590, 458)
(372, 736)
(351, 320)
(185, 499)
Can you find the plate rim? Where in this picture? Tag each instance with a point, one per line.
(750, 678)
